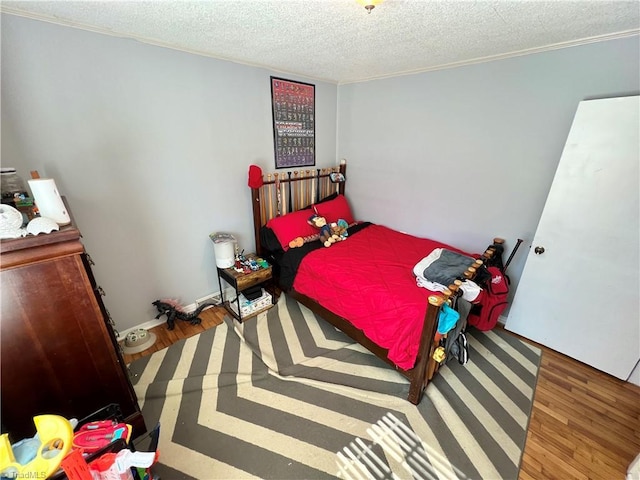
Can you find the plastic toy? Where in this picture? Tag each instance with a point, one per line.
(51, 444)
(262, 262)
(95, 435)
(174, 311)
(439, 354)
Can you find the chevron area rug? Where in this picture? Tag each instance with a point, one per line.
(281, 394)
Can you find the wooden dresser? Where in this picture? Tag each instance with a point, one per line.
(58, 349)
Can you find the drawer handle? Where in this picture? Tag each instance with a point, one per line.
(90, 260)
(101, 291)
(115, 331)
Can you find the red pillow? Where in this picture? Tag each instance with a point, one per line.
(335, 209)
(292, 225)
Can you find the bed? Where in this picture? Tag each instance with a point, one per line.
(363, 285)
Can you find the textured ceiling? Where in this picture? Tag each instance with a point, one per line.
(337, 41)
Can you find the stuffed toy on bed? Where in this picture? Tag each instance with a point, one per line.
(343, 226)
(328, 235)
(316, 221)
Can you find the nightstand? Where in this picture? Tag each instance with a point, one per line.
(239, 307)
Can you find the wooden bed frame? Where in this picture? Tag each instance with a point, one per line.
(286, 192)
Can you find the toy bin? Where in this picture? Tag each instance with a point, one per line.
(248, 307)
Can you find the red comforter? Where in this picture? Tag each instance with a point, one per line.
(368, 279)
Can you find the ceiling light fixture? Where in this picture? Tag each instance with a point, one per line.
(369, 4)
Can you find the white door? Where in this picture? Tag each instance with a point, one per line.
(579, 294)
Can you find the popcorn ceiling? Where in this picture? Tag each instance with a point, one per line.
(337, 41)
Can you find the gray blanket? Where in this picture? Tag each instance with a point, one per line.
(447, 268)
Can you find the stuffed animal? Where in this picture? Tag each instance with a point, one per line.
(296, 242)
(327, 235)
(339, 230)
(343, 226)
(335, 232)
(299, 241)
(316, 221)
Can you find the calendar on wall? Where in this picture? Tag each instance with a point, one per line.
(293, 109)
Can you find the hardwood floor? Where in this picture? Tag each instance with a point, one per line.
(584, 425)
(164, 337)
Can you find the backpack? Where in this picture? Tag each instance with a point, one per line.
(491, 302)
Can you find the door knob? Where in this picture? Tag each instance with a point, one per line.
(539, 250)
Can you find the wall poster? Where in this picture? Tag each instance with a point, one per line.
(294, 123)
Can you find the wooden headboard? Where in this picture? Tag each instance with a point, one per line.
(287, 192)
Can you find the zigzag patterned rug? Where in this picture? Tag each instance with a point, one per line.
(278, 397)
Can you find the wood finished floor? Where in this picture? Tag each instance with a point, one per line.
(584, 425)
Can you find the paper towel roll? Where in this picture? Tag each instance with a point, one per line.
(50, 204)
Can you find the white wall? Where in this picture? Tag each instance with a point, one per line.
(150, 146)
(466, 154)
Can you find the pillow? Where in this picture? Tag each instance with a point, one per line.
(335, 209)
(269, 241)
(268, 238)
(292, 225)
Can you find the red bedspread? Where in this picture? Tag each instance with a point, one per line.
(368, 279)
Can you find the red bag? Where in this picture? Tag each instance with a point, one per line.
(93, 436)
(491, 302)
